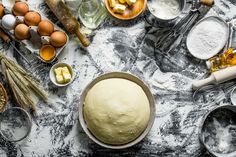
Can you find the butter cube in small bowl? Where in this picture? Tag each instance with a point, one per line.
(61, 74)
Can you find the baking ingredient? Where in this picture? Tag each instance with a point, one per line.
(62, 74)
(20, 8)
(165, 9)
(32, 18)
(92, 13)
(22, 32)
(207, 38)
(122, 1)
(224, 60)
(112, 3)
(3, 98)
(119, 8)
(24, 86)
(58, 39)
(45, 28)
(116, 111)
(1, 11)
(8, 21)
(47, 52)
(130, 2)
(219, 131)
(217, 77)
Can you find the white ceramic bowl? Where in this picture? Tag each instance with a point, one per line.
(124, 76)
(224, 40)
(53, 77)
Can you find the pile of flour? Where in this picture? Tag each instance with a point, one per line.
(207, 38)
(165, 9)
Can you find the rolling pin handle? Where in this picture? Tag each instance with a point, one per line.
(208, 3)
(84, 40)
(4, 36)
(200, 83)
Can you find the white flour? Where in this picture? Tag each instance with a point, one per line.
(165, 9)
(207, 38)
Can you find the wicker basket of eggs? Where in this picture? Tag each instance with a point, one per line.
(36, 33)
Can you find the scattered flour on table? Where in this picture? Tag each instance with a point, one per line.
(207, 39)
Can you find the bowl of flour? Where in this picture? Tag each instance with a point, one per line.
(166, 10)
(207, 37)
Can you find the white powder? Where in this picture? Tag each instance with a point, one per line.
(207, 38)
(165, 9)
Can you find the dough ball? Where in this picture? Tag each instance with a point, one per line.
(116, 111)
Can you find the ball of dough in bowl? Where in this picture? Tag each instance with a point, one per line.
(116, 111)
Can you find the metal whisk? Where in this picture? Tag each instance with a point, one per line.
(170, 40)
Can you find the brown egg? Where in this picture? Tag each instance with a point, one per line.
(22, 32)
(20, 8)
(32, 18)
(1, 11)
(45, 28)
(58, 39)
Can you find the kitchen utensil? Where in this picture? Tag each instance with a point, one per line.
(124, 76)
(169, 41)
(130, 12)
(3, 98)
(218, 131)
(53, 77)
(219, 47)
(64, 15)
(8, 40)
(217, 77)
(15, 124)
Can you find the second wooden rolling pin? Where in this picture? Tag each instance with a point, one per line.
(64, 15)
(217, 77)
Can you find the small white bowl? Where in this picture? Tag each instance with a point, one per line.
(53, 77)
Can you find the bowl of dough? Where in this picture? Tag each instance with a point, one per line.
(117, 110)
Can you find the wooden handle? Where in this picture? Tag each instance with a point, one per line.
(208, 3)
(4, 36)
(84, 40)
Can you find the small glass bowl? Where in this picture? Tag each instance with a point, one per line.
(15, 124)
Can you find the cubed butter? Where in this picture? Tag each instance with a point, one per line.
(58, 71)
(122, 1)
(59, 79)
(130, 2)
(119, 8)
(65, 70)
(112, 3)
(67, 77)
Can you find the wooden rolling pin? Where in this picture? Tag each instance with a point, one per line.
(208, 3)
(64, 15)
(217, 77)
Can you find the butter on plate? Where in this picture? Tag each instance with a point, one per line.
(130, 2)
(62, 75)
(119, 8)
